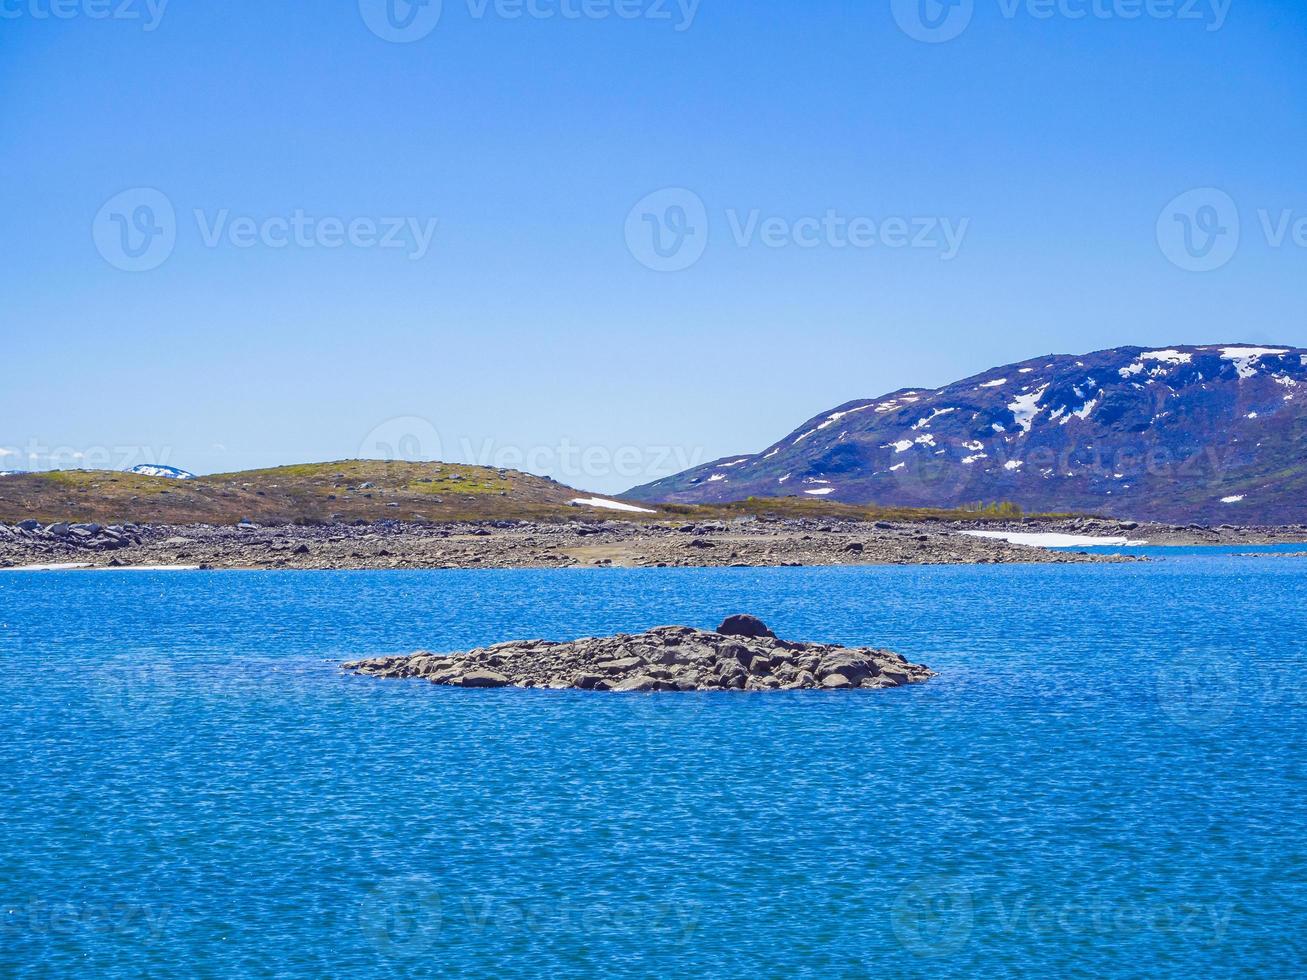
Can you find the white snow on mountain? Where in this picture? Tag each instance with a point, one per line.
(1246, 358)
(167, 472)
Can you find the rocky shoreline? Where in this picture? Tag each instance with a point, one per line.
(740, 655)
(749, 542)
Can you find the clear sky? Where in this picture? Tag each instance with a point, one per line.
(863, 196)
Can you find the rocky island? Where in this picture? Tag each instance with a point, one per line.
(740, 655)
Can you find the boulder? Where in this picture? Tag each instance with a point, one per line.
(483, 678)
(744, 625)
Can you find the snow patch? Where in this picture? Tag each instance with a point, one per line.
(1050, 539)
(995, 383)
(1232, 500)
(1169, 356)
(1246, 358)
(922, 423)
(820, 493)
(1026, 407)
(1083, 411)
(836, 416)
(167, 472)
(1012, 464)
(603, 504)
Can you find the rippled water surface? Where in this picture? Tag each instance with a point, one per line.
(1107, 778)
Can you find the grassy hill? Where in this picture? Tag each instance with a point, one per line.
(368, 490)
(314, 492)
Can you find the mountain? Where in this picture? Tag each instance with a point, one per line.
(167, 472)
(1185, 434)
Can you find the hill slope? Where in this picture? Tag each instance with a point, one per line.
(1212, 434)
(309, 493)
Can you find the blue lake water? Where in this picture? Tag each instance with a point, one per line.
(1107, 779)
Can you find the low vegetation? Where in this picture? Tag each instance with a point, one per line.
(368, 490)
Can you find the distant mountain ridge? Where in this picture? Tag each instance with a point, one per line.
(1211, 434)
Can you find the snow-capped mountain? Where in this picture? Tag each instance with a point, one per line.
(167, 472)
(1214, 434)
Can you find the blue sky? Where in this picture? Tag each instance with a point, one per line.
(842, 208)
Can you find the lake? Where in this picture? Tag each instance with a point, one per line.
(1107, 778)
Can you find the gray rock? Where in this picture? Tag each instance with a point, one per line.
(483, 678)
(744, 625)
(669, 658)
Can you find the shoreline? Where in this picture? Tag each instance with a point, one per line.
(616, 543)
